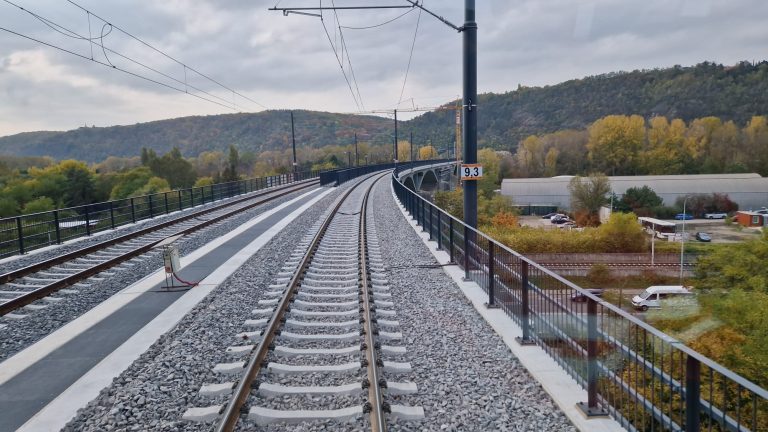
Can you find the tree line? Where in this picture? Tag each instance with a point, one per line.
(632, 145)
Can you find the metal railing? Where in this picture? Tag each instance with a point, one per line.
(21, 234)
(631, 371)
(339, 176)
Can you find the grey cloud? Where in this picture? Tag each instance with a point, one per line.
(287, 61)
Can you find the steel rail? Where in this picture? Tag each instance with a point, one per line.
(231, 412)
(375, 398)
(42, 292)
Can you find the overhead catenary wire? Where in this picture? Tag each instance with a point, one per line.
(410, 57)
(168, 56)
(134, 74)
(349, 60)
(70, 33)
(380, 24)
(339, 60)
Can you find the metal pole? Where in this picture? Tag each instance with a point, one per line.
(469, 131)
(692, 394)
(20, 231)
(524, 305)
(590, 408)
(682, 242)
(357, 155)
(412, 147)
(293, 138)
(491, 275)
(395, 158)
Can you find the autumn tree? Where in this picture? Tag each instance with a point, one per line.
(665, 151)
(615, 142)
(427, 152)
(588, 194)
(230, 172)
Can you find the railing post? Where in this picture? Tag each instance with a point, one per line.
(112, 214)
(20, 229)
(439, 230)
(58, 228)
(202, 195)
(524, 306)
(590, 408)
(491, 275)
(692, 394)
(430, 221)
(87, 222)
(165, 197)
(133, 211)
(151, 213)
(191, 197)
(181, 207)
(466, 252)
(450, 240)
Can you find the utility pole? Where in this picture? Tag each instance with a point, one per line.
(470, 109)
(395, 158)
(357, 155)
(412, 147)
(293, 138)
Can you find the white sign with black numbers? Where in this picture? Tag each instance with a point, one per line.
(471, 171)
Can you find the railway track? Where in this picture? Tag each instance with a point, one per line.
(65, 273)
(314, 350)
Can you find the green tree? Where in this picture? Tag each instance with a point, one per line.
(590, 193)
(490, 181)
(129, 182)
(174, 168)
(230, 172)
(621, 233)
(203, 181)
(8, 207)
(39, 205)
(153, 186)
(639, 200)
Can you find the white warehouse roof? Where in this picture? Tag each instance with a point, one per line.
(749, 191)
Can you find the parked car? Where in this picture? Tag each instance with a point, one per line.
(579, 297)
(683, 216)
(559, 219)
(715, 215)
(549, 215)
(653, 295)
(568, 225)
(703, 237)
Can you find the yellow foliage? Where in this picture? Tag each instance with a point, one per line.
(504, 220)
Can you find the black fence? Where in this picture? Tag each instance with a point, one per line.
(631, 371)
(21, 234)
(337, 177)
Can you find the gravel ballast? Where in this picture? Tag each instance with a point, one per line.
(468, 380)
(21, 333)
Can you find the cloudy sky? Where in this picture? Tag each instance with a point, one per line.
(288, 62)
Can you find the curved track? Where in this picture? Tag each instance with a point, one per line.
(24, 286)
(322, 314)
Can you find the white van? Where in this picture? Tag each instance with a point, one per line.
(653, 295)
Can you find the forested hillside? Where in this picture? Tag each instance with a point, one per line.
(728, 92)
(255, 133)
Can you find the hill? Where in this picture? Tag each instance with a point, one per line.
(728, 92)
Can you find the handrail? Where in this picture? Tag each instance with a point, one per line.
(476, 263)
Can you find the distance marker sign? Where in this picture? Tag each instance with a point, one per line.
(471, 171)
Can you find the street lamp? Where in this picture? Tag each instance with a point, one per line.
(682, 241)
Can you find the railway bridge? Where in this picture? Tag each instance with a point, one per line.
(337, 301)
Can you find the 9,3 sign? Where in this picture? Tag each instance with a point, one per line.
(471, 171)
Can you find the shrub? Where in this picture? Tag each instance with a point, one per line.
(599, 274)
(504, 220)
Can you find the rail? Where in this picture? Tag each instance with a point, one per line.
(230, 413)
(631, 371)
(21, 234)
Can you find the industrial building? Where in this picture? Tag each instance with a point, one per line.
(749, 191)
